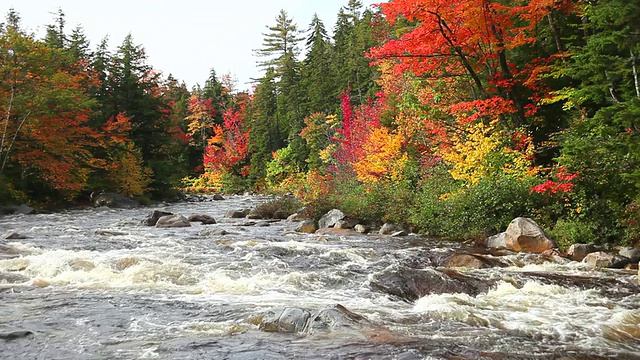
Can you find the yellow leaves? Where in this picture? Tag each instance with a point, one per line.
(384, 158)
(127, 172)
(483, 150)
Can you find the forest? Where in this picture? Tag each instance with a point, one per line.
(448, 117)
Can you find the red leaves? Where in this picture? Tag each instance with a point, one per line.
(560, 184)
(355, 129)
(229, 146)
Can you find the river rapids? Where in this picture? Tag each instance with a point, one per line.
(95, 284)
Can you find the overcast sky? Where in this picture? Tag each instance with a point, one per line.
(184, 38)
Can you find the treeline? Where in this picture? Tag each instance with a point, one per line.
(451, 117)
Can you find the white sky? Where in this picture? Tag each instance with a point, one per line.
(184, 38)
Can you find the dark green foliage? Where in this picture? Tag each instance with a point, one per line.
(443, 208)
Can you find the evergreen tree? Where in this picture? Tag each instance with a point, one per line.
(317, 78)
(352, 40)
(264, 136)
(55, 36)
(280, 43)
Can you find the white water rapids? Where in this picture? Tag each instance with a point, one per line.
(95, 284)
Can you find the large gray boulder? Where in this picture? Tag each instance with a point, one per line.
(330, 219)
(113, 200)
(630, 252)
(173, 221)
(601, 259)
(524, 235)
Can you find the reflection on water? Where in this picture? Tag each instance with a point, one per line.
(94, 284)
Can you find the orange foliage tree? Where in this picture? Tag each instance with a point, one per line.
(45, 141)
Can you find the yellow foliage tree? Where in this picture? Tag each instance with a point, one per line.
(384, 159)
(483, 150)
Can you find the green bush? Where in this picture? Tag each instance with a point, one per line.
(571, 231)
(453, 210)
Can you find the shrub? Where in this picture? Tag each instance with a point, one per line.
(286, 204)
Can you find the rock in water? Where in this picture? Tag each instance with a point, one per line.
(308, 227)
(330, 219)
(202, 218)
(577, 252)
(288, 320)
(601, 259)
(524, 235)
(412, 284)
(173, 221)
(152, 219)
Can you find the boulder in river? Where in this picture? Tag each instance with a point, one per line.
(308, 227)
(601, 259)
(630, 252)
(287, 320)
(524, 235)
(152, 219)
(237, 214)
(202, 218)
(330, 219)
(495, 242)
(577, 252)
(411, 284)
(388, 229)
(113, 200)
(218, 197)
(332, 318)
(173, 221)
(362, 229)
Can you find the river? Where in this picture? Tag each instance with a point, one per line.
(95, 284)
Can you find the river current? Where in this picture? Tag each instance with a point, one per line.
(95, 284)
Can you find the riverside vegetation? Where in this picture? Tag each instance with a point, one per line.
(450, 118)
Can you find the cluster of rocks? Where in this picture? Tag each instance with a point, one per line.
(335, 222)
(524, 235)
(163, 219)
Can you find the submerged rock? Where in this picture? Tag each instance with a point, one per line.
(173, 221)
(412, 284)
(298, 320)
(524, 235)
(12, 235)
(288, 320)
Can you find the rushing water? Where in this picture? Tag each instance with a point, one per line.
(94, 284)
